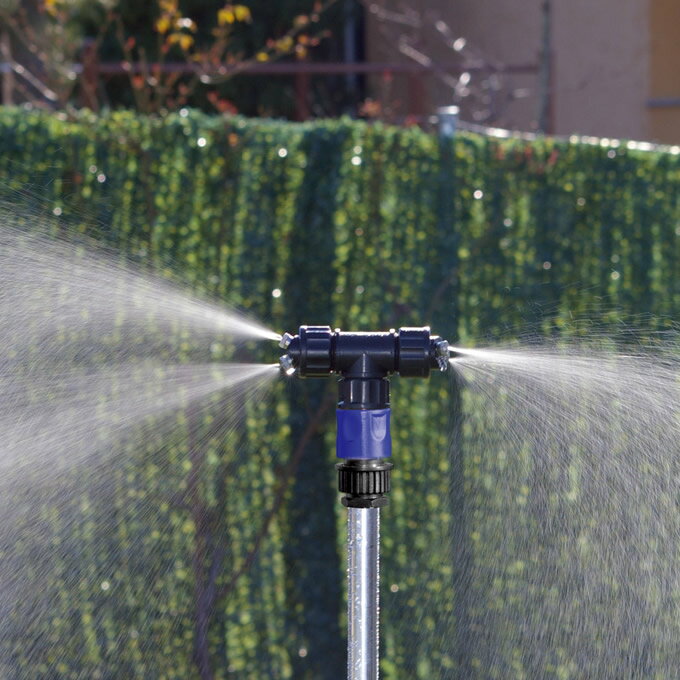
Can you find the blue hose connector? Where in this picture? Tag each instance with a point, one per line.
(363, 434)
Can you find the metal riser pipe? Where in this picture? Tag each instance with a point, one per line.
(363, 598)
(364, 363)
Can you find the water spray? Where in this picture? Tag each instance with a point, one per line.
(363, 363)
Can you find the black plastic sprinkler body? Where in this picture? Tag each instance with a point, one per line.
(363, 364)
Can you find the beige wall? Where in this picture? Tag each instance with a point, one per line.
(601, 67)
(601, 59)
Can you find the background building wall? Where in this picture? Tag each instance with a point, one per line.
(600, 54)
(601, 67)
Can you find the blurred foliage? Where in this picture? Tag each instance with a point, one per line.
(360, 227)
(59, 44)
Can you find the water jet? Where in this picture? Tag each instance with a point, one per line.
(363, 364)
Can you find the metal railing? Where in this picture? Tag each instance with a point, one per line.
(417, 101)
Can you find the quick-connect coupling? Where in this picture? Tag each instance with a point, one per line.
(364, 445)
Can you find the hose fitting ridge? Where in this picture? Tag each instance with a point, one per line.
(366, 483)
(318, 351)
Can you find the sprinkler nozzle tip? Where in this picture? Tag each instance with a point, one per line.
(286, 364)
(285, 341)
(442, 354)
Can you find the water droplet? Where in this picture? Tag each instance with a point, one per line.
(356, 160)
(184, 112)
(202, 141)
(357, 149)
(57, 211)
(359, 290)
(611, 153)
(105, 585)
(302, 652)
(93, 169)
(547, 265)
(581, 201)
(479, 194)
(459, 44)
(616, 276)
(507, 222)
(394, 588)
(276, 293)
(101, 178)
(615, 258)
(283, 152)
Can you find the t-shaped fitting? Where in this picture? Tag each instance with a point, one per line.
(318, 351)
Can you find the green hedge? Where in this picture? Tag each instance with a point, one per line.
(361, 226)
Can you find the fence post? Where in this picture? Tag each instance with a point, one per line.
(7, 73)
(302, 82)
(89, 78)
(447, 121)
(417, 95)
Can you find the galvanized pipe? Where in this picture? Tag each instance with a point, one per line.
(363, 606)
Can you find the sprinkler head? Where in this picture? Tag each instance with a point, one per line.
(317, 351)
(364, 362)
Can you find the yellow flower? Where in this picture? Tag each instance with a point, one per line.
(51, 6)
(262, 56)
(184, 40)
(285, 44)
(226, 16)
(163, 24)
(242, 13)
(230, 14)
